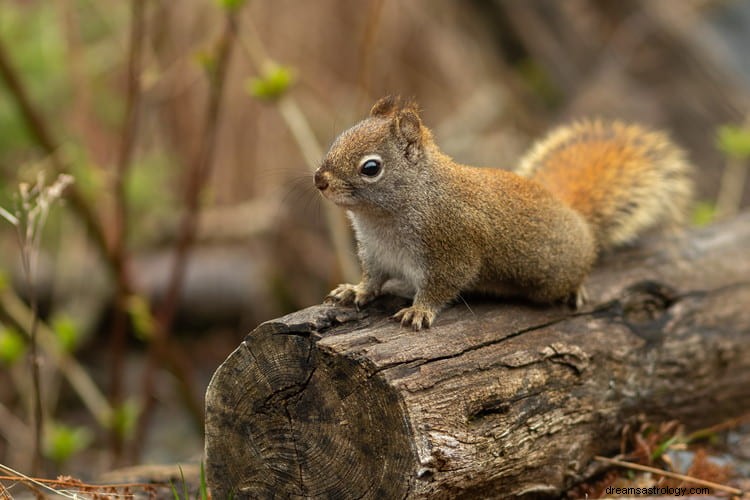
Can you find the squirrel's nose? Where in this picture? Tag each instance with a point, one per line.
(321, 182)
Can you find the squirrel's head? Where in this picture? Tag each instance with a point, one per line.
(379, 155)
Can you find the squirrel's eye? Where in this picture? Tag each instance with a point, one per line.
(370, 167)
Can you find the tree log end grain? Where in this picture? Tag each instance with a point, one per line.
(299, 422)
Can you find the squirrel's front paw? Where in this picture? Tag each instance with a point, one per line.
(347, 295)
(416, 317)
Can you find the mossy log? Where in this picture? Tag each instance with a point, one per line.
(497, 399)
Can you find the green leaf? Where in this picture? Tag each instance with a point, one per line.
(3, 280)
(184, 484)
(12, 345)
(664, 446)
(734, 141)
(703, 214)
(140, 314)
(204, 485)
(62, 441)
(175, 495)
(231, 4)
(272, 84)
(124, 418)
(67, 331)
(206, 60)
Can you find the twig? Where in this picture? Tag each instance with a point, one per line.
(672, 475)
(72, 488)
(28, 260)
(17, 476)
(301, 131)
(708, 431)
(120, 256)
(196, 179)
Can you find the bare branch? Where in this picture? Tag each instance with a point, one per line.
(119, 250)
(197, 176)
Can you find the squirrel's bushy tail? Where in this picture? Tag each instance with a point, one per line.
(622, 178)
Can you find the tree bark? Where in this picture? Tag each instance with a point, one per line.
(498, 398)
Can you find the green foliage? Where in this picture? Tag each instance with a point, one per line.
(202, 491)
(664, 446)
(272, 84)
(63, 441)
(140, 314)
(734, 141)
(231, 4)
(12, 345)
(89, 178)
(206, 60)
(4, 280)
(124, 418)
(41, 54)
(703, 213)
(38, 53)
(67, 332)
(204, 484)
(149, 201)
(175, 494)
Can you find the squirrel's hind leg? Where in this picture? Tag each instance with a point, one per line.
(417, 317)
(428, 301)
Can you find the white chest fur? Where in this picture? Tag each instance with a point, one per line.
(389, 250)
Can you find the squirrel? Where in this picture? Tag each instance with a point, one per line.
(443, 228)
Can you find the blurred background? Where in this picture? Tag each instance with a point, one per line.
(191, 130)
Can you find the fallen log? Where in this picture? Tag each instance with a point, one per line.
(497, 399)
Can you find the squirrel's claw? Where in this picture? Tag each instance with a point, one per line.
(342, 295)
(416, 317)
(348, 295)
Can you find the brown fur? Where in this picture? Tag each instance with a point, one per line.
(444, 228)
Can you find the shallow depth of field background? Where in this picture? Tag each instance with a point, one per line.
(490, 76)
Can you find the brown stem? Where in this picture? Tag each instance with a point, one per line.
(120, 256)
(196, 179)
(36, 383)
(366, 47)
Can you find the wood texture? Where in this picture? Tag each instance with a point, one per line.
(497, 399)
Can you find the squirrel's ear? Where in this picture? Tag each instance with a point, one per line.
(409, 126)
(384, 107)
